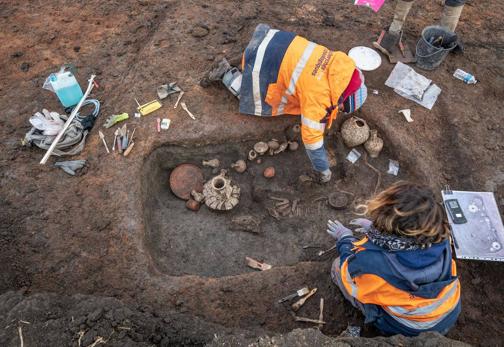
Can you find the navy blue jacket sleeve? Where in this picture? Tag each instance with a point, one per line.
(345, 247)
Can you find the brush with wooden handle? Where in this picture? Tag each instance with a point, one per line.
(297, 305)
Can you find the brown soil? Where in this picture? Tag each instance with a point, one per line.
(115, 230)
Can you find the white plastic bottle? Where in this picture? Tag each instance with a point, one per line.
(465, 76)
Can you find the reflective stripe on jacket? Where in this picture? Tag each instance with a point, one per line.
(418, 289)
(287, 74)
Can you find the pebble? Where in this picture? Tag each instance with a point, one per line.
(200, 31)
(95, 315)
(17, 54)
(25, 67)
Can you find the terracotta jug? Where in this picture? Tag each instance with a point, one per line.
(374, 144)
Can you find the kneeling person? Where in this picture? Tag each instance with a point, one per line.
(401, 274)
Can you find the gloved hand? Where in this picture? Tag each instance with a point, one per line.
(363, 223)
(337, 230)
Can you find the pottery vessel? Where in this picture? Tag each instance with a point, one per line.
(221, 194)
(261, 148)
(374, 144)
(240, 166)
(354, 131)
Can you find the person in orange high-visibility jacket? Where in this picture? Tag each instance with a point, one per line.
(401, 275)
(283, 73)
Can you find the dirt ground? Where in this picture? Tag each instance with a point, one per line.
(116, 231)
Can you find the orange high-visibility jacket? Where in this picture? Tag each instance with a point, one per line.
(405, 291)
(287, 74)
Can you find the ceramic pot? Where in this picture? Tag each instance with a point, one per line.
(374, 144)
(355, 131)
(221, 194)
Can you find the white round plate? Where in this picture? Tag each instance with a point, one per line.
(365, 58)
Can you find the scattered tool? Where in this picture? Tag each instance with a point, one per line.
(102, 137)
(297, 305)
(298, 293)
(114, 119)
(184, 107)
(128, 150)
(321, 253)
(254, 264)
(115, 140)
(167, 89)
(124, 134)
(125, 143)
(178, 99)
(70, 166)
(122, 141)
(133, 134)
(149, 107)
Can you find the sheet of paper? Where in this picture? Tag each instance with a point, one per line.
(482, 236)
(414, 84)
(429, 98)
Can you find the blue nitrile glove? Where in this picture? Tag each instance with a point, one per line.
(337, 230)
(363, 223)
(320, 163)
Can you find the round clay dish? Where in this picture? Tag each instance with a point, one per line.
(338, 201)
(184, 179)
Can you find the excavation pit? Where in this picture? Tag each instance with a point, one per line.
(215, 243)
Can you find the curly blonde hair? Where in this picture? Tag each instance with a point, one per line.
(408, 209)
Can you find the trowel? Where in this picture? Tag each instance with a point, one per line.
(298, 293)
(398, 52)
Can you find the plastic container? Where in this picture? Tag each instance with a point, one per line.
(66, 87)
(465, 76)
(433, 47)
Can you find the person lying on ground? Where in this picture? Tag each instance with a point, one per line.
(285, 74)
(401, 275)
(450, 18)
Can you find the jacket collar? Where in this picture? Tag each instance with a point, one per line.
(339, 73)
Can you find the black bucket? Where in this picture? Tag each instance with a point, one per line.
(434, 45)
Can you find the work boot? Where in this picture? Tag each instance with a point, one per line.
(451, 15)
(389, 39)
(386, 42)
(216, 72)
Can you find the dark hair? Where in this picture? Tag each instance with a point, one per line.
(408, 209)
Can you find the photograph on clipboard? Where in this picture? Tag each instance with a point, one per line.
(476, 225)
